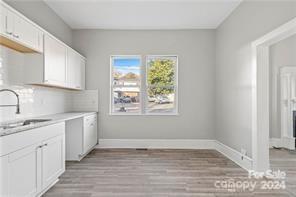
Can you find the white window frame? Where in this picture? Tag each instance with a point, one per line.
(143, 87)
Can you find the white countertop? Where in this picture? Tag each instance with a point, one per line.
(54, 118)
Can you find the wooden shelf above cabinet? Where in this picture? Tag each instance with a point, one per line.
(15, 45)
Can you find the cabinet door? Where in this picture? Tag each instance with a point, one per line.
(24, 172)
(89, 133)
(54, 62)
(3, 20)
(26, 33)
(4, 166)
(73, 69)
(53, 160)
(82, 74)
(7, 21)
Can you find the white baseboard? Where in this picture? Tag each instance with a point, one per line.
(285, 142)
(275, 142)
(243, 161)
(288, 143)
(230, 153)
(157, 143)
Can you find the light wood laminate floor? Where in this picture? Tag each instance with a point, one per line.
(160, 173)
(285, 160)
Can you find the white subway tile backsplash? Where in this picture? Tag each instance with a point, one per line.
(34, 101)
(38, 101)
(86, 100)
(11, 66)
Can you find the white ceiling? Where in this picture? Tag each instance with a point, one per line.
(143, 14)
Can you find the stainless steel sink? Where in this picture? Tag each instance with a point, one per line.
(33, 121)
(22, 123)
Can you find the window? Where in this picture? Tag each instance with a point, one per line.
(161, 84)
(126, 84)
(149, 89)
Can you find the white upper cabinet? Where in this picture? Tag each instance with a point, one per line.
(82, 65)
(19, 33)
(75, 70)
(55, 67)
(58, 66)
(2, 20)
(54, 64)
(7, 22)
(27, 34)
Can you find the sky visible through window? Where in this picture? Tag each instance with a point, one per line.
(128, 65)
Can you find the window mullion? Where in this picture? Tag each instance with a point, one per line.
(143, 87)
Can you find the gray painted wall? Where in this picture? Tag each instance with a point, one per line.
(281, 54)
(251, 20)
(45, 17)
(199, 81)
(195, 48)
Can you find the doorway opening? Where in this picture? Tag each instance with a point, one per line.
(261, 93)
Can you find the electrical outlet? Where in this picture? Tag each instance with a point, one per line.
(42, 101)
(243, 152)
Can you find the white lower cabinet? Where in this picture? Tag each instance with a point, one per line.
(24, 172)
(53, 160)
(30, 170)
(81, 137)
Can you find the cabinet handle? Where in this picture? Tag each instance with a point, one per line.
(45, 144)
(6, 26)
(6, 23)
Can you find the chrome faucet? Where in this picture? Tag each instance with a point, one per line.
(17, 98)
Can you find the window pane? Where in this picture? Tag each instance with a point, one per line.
(161, 81)
(126, 99)
(160, 100)
(126, 71)
(161, 70)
